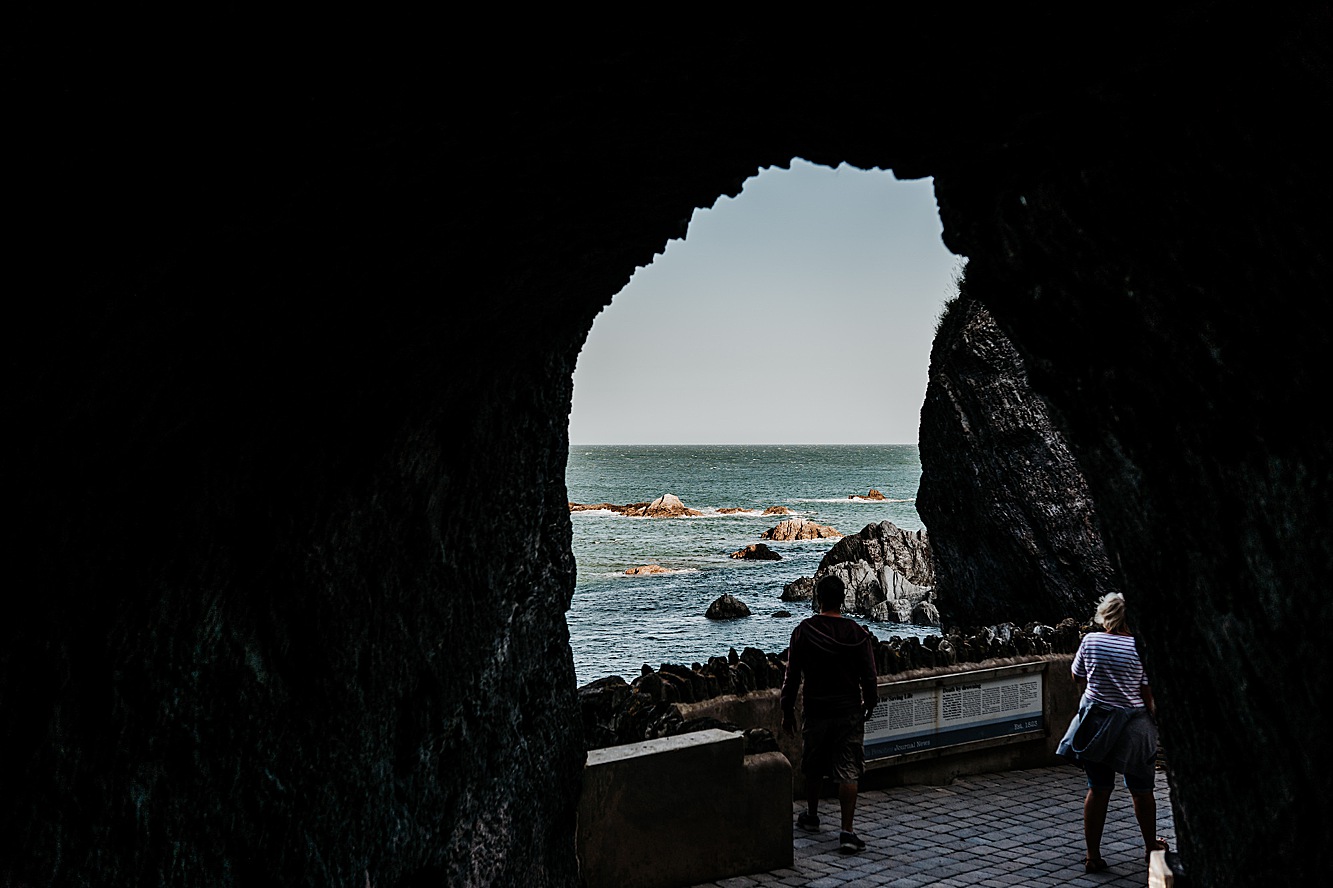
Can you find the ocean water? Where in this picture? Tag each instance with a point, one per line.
(618, 622)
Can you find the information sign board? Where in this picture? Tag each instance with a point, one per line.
(958, 709)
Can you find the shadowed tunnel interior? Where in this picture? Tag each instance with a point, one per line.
(290, 341)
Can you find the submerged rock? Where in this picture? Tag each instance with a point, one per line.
(646, 569)
(777, 510)
(605, 507)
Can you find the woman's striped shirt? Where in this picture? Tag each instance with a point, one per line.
(1111, 665)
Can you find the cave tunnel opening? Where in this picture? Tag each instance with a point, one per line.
(776, 356)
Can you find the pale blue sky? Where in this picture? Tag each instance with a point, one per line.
(799, 312)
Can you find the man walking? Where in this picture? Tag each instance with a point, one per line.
(835, 658)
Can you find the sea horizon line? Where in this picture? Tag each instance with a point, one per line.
(742, 444)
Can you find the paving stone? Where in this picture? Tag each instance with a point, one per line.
(995, 831)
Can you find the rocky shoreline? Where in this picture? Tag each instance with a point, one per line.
(616, 711)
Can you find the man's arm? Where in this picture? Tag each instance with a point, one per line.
(791, 683)
(869, 678)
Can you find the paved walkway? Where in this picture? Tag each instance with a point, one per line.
(994, 830)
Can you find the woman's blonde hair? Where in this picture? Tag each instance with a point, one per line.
(1111, 611)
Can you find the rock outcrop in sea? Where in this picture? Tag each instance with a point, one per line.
(727, 607)
(595, 507)
(889, 574)
(799, 529)
(908, 552)
(801, 589)
(756, 552)
(881, 593)
(873, 494)
(1012, 523)
(668, 505)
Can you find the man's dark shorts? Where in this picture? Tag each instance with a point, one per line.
(834, 748)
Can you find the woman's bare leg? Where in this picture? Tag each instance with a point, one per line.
(1145, 812)
(1095, 804)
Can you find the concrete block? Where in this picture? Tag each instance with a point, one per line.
(683, 810)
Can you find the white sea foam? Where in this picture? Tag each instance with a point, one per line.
(857, 499)
(746, 512)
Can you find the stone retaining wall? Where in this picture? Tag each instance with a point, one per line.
(660, 703)
(757, 716)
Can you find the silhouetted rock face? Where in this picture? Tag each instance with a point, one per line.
(1011, 522)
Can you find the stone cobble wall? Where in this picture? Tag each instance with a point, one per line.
(616, 711)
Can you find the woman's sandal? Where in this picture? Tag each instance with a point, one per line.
(1161, 846)
(1094, 864)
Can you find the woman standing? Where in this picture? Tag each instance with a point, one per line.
(1114, 731)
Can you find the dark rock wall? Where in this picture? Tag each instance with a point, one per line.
(266, 636)
(291, 323)
(267, 428)
(1011, 523)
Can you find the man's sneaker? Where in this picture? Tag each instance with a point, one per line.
(849, 843)
(808, 821)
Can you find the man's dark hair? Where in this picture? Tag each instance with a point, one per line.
(830, 593)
